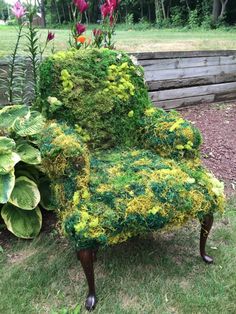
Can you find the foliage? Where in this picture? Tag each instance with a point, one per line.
(19, 172)
(140, 170)
(17, 74)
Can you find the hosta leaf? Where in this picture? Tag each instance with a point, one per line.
(8, 161)
(30, 125)
(29, 154)
(7, 183)
(25, 194)
(46, 194)
(9, 114)
(22, 223)
(7, 145)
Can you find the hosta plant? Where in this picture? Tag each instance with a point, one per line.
(19, 170)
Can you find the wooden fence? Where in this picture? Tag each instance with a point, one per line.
(177, 79)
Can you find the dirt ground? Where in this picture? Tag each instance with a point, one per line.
(217, 123)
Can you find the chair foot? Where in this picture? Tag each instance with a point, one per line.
(86, 258)
(90, 302)
(206, 225)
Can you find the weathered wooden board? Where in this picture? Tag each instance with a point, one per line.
(189, 72)
(183, 54)
(180, 63)
(193, 91)
(182, 102)
(192, 81)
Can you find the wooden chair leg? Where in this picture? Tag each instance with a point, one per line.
(86, 258)
(206, 225)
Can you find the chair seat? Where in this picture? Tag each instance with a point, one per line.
(136, 191)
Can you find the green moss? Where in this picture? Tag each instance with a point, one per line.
(139, 169)
(87, 84)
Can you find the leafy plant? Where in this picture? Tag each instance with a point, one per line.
(20, 175)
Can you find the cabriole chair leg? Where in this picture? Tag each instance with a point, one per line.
(206, 225)
(86, 258)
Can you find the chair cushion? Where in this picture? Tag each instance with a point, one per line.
(136, 191)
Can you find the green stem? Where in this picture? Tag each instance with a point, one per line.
(33, 49)
(12, 65)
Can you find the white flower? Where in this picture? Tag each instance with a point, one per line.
(134, 60)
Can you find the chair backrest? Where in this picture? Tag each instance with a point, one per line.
(99, 92)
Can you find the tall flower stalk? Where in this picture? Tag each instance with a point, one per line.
(18, 11)
(109, 18)
(80, 8)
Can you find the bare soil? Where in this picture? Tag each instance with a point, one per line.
(217, 123)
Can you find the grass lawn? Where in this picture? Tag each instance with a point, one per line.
(148, 40)
(160, 274)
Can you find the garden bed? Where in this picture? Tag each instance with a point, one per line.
(217, 124)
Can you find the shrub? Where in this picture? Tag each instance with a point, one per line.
(20, 177)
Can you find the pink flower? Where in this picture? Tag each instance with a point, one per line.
(81, 5)
(80, 28)
(50, 36)
(18, 10)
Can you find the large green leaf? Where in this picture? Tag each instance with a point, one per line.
(22, 223)
(25, 194)
(46, 194)
(9, 114)
(29, 154)
(8, 161)
(7, 183)
(29, 126)
(7, 145)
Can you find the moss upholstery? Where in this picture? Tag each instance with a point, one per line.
(119, 167)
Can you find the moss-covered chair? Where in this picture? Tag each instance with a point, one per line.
(119, 168)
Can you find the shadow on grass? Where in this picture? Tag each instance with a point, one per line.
(161, 273)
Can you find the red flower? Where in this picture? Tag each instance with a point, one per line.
(109, 7)
(97, 32)
(81, 5)
(50, 36)
(105, 10)
(80, 28)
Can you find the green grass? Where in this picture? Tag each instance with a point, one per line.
(159, 274)
(134, 40)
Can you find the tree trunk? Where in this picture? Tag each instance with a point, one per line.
(58, 13)
(69, 12)
(216, 10)
(149, 12)
(168, 9)
(41, 5)
(223, 8)
(157, 10)
(163, 9)
(187, 4)
(141, 7)
(63, 11)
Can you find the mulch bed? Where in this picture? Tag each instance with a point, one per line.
(217, 123)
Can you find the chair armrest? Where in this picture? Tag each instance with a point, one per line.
(65, 160)
(169, 135)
